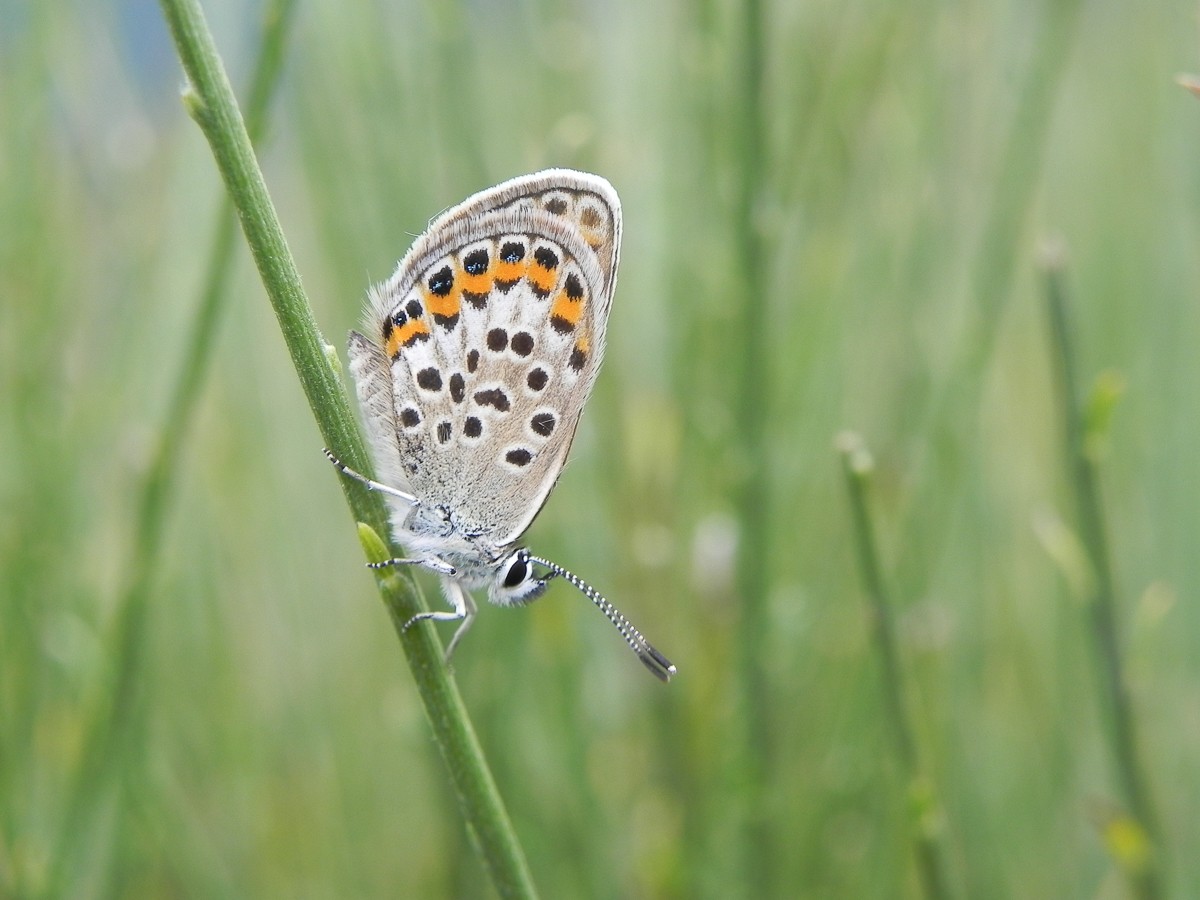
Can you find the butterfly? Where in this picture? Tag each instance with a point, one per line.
(480, 354)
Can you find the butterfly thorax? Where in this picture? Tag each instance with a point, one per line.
(506, 572)
(434, 531)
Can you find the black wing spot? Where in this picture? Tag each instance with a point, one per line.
(476, 262)
(430, 379)
(543, 423)
(512, 252)
(493, 397)
(522, 343)
(441, 282)
(497, 340)
(519, 457)
(537, 379)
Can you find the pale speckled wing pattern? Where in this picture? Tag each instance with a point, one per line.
(486, 344)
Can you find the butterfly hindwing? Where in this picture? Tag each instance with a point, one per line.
(492, 331)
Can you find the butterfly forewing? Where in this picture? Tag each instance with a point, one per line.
(491, 333)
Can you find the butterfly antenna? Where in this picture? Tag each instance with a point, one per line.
(651, 658)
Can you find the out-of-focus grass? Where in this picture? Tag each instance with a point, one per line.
(278, 711)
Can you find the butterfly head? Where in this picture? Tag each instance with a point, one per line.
(516, 583)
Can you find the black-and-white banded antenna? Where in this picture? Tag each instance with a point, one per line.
(662, 667)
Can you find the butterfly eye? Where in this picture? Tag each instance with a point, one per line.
(516, 583)
(516, 572)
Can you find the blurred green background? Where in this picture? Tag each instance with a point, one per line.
(833, 219)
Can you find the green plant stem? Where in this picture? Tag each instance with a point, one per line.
(1116, 704)
(211, 103)
(115, 721)
(857, 467)
(761, 859)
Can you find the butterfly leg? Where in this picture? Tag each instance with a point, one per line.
(431, 563)
(464, 611)
(363, 479)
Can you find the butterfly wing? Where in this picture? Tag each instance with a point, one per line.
(373, 383)
(491, 333)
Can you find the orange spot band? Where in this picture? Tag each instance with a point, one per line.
(510, 271)
(542, 278)
(444, 306)
(405, 335)
(567, 308)
(475, 284)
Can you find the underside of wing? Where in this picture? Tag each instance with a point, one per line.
(492, 331)
(586, 203)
